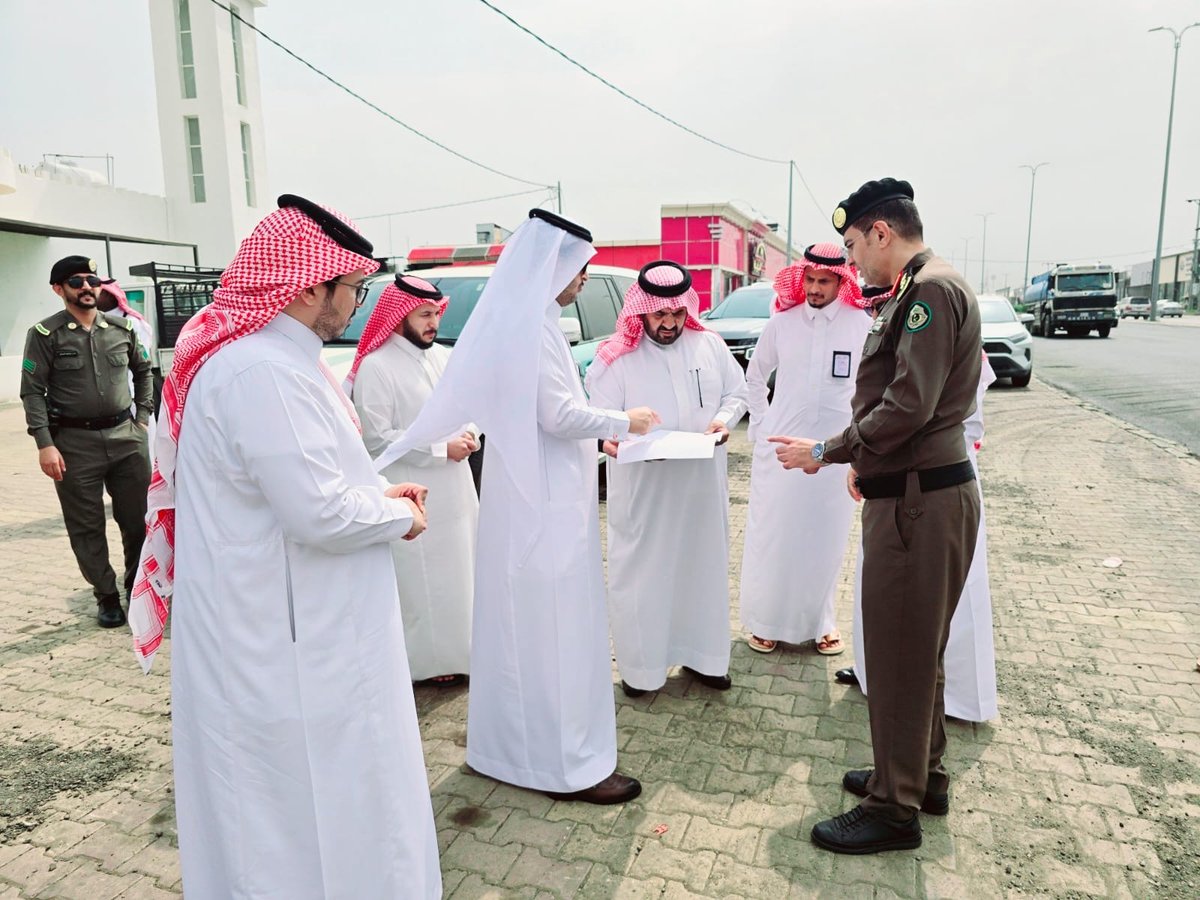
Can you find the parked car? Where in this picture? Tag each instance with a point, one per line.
(1135, 308)
(1006, 341)
(1167, 308)
(740, 318)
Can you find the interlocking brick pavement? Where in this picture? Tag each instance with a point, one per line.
(1087, 785)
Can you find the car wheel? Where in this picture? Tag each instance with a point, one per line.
(1103, 330)
(1022, 380)
(1047, 326)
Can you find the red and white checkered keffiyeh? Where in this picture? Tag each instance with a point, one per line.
(639, 302)
(789, 283)
(122, 301)
(393, 308)
(286, 253)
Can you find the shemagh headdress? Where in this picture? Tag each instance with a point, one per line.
(298, 246)
(789, 283)
(660, 285)
(395, 303)
(122, 301)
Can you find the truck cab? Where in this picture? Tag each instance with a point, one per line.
(1076, 299)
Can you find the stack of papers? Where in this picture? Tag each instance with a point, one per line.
(667, 445)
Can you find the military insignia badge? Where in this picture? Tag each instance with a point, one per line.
(839, 217)
(878, 325)
(918, 318)
(42, 329)
(92, 265)
(29, 366)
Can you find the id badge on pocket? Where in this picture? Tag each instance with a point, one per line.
(841, 363)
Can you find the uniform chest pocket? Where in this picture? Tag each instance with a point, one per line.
(873, 344)
(118, 365)
(67, 360)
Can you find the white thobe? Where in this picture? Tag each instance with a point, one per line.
(298, 762)
(797, 525)
(668, 521)
(970, 658)
(435, 575)
(540, 712)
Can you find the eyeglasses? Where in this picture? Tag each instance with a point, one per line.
(75, 282)
(360, 290)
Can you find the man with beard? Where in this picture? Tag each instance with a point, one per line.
(297, 756)
(916, 386)
(90, 428)
(668, 521)
(394, 372)
(812, 342)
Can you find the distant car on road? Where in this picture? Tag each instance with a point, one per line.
(1135, 308)
(1006, 341)
(740, 318)
(1167, 308)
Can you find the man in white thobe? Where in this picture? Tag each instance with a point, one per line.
(797, 528)
(297, 757)
(970, 657)
(668, 521)
(112, 300)
(541, 713)
(394, 372)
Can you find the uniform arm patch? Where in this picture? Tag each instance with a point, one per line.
(29, 366)
(918, 317)
(42, 329)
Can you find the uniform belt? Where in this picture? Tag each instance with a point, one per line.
(94, 424)
(879, 487)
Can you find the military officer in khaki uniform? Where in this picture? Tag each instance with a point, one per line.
(75, 389)
(916, 384)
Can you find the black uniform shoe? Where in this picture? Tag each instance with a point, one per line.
(846, 676)
(856, 783)
(716, 682)
(860, 831)
(109, 613)
(616, 788)
(630, 690)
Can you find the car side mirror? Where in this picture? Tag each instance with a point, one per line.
(571, 329)
(1026, 318)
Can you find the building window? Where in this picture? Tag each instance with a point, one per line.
(187, 61)
(235, 28)
(191, 137)
(248, 165)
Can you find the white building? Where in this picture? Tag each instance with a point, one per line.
(211, 134)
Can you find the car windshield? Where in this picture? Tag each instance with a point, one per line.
(1091, 281)
(1139, 301)
(745, 303)
(462, 292)
(993, 311)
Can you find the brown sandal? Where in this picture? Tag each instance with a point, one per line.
(762, 645)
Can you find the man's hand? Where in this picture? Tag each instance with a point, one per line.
(795, 453)
(461, 447)
(52, 462)
(610, 447)
(719, 428)
(851, 485)
(418, 518)
(642, 419)
(409, 491)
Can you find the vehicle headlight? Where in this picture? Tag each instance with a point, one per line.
(1019, 338)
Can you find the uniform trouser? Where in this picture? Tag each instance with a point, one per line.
(113, 458)
(917, 550)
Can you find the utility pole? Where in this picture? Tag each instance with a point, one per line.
(966, 257)
(558, 192)
(1029, 230)
(1194, 274)
(791, 170)
(983, 252)
(1162, 210)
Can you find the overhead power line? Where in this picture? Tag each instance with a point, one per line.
(375, 107)
(405, 212)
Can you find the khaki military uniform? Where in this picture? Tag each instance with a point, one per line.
(916, 384)
(75, 389)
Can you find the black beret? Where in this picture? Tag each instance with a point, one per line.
(664, 290)
(559, 222)
(866, 198)
(71, 265)
(410, 287)
(335, 229)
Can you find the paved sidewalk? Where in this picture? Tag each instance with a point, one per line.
(1087, 785)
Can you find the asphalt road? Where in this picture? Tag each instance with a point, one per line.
(1147, 373)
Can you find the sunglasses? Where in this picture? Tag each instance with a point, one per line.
(75, 282)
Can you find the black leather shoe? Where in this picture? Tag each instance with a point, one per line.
(630, 690)
(716, 682)
(616, 788)
(856, 783)
(846, 676)
(109, 613)
(859, 832)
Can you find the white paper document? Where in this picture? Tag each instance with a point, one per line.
(667, 445)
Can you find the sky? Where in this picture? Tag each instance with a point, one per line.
(952, 95)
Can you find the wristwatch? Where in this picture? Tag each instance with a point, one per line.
(818, 452)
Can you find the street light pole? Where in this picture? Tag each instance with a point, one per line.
(983, 252)
(1029, 229)
(791, 168)
(966, 256)
(1194, 271)
(1162, 210)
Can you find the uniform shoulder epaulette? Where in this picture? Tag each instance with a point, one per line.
(49, 323)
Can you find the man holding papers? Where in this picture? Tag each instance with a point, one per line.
(660, 514)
